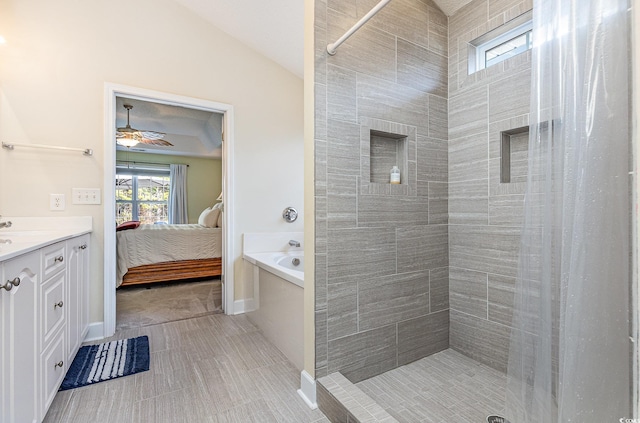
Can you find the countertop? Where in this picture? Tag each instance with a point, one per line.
(27, 234)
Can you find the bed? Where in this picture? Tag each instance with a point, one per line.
(161, 253)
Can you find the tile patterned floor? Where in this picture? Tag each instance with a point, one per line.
(139, 306)
(214, 368)
(444, 387)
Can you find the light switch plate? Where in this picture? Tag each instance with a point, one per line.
(86, 196)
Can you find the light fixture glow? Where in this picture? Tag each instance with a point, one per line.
(2, 40)
(127, 142)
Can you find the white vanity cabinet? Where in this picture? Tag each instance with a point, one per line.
(44, 318)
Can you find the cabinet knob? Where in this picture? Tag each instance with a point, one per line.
(58, 304)
(59, 364)
(58, 259)
(83, 247)
(10, 284)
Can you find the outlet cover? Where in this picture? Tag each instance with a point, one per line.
(56, 202)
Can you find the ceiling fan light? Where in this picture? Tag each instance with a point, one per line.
(127, 142)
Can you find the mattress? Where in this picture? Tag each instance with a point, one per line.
(150, 244)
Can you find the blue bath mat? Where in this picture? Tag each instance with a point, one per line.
(97, 363)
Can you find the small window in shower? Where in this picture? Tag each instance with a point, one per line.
(504, 42)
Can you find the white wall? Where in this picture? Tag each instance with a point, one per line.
(53, 68)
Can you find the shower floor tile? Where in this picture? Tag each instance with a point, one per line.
(444, 387)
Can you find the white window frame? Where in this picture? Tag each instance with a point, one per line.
(511, 30)
(134, 186)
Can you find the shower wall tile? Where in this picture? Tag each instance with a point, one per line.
(330, 406)
(370, 51)
(392, 102)
(438, 31)
(404, 18)
(501, 292)
(321, 224)
(510, 96)
(468, 291)
(341, 94)
(391, 299)
(321, 340)
(320, 122)
(364, 354)
(468, 17)
(432, 159)
(413, 345)
(506, 210)
(468, 202)
(422, 247)
(342, 309)
(347, 8)
(438, 194)
(439, 289)
(341, 201)
(343, 149)
(438, 117)
(468, 112)
(480, 339)
(385, 211)
(468, 158)
(422, 69)
(361, 252)
(320, 282)
(489, 249)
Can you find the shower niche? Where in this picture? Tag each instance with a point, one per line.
(514, 155)
(383, 145)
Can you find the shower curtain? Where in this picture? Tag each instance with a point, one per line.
(569, 357)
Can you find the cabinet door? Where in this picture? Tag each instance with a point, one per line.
(20, 339)
(84, 285)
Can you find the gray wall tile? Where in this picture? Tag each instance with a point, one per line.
(413, 345)
(321, 282)
(438, 117)
(321, 340)
(468, 202)
(390, 211)
(422, 69)
(438, 194)
(343, 149)
(361, 252)
(480, 339)
(390, 299)
(506, 209)
(404, 18)
(341, 94)
(439, 289)
(468, 112)
(501, 291)
(342, 309)
(330, 407)
(490, 249)
(510, 96)
(364, 354)
(341, 201)
(468, 291)
(422, 247)
(433, 159)
(468, 158)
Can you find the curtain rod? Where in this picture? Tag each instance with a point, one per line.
(152, 163)
(332, 48)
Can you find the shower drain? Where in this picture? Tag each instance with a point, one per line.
(496, 419)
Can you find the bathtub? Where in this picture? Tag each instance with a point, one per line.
(278, 299)
(282, 264)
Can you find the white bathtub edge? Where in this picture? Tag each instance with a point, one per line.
(264, 261)
(307, 389)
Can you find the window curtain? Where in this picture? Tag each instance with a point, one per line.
(178, 194)
(569, 358)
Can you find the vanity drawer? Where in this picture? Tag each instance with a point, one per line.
(53, 259)
(52, 372)
(53, 306)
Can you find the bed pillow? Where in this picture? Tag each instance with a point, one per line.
(132, 224)
(219, 222)
(209, 217)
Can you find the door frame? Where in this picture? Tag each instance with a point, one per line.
(116, 90)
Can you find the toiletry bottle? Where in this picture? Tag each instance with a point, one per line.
(395, 175)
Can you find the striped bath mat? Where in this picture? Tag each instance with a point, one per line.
(97, 363)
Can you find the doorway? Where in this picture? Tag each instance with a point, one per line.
(112, 92)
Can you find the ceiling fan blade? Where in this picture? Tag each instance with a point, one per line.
(152, 135)
(158, 142)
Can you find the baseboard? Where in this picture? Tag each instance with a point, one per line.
(96, 331)
(308, 389)
(244, 306)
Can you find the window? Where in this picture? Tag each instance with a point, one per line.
(142, 194)
(511, 39)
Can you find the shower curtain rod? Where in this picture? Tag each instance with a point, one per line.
(332, 48)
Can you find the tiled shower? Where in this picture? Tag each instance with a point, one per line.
(405, 271)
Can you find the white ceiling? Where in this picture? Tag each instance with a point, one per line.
(274, 28)
(192, 132)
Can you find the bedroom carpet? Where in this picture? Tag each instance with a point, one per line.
(138, 306)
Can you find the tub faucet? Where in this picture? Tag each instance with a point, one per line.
(6, 224)
(294, 243)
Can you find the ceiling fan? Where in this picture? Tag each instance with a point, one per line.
(129, 136)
